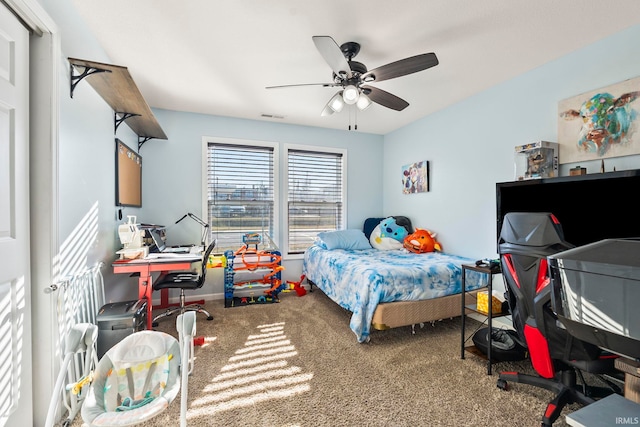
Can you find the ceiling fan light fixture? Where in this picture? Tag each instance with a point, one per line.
(363, 102)
(350, 94)
(336, 103)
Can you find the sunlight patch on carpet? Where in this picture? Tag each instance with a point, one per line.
(266, 345)
(241, 372)
(258, 372)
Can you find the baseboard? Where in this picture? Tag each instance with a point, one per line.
(218, 296)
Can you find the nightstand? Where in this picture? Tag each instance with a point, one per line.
(474, 308)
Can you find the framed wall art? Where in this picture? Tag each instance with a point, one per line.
(415, 177)
(601, 123)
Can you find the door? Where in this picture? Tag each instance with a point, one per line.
(15, 294)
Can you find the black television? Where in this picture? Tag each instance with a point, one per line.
(128, 176)
(589, 207)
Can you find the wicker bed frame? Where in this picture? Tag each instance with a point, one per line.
(408, 313)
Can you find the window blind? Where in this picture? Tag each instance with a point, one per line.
(315, 196)
(240, 188)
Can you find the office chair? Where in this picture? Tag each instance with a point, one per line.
(526, 239)
(184, 280)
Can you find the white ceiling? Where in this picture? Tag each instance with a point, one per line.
(217, 57)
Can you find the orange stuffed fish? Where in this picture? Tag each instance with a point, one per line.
(422, 241)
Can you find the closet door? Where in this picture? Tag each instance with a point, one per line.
(16, 398)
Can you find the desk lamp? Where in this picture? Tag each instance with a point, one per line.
(199, 221)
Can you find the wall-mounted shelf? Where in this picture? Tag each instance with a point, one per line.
(116, 86)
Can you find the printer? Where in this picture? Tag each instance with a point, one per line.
(596, 293)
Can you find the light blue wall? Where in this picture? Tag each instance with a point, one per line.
(470, 146)
(171, 168)
(87, 221)
(172, 171)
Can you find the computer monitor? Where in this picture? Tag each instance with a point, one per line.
(158, 241)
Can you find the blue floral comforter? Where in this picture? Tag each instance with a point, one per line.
(359, 280)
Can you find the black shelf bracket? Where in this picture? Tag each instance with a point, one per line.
(142, 140)
(117, 121)
(77, 78)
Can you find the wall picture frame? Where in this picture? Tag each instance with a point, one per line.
(601, 123)
(128, 176)
(415, 177)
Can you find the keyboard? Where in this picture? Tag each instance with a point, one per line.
(177, 249)
(169, 255)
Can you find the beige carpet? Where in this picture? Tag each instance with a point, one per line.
(297, 363)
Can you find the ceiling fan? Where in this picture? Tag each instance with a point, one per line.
(353, 77)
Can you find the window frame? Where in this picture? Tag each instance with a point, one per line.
(206, 140)
(280, 183)
(284, 199)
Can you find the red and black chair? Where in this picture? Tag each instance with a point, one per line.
(526, 239)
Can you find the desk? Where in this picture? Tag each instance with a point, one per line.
(631, 369)
(144, 268)
(609, 411)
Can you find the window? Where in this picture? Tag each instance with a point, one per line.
(315, 195)
(244, 193)
(240, 191)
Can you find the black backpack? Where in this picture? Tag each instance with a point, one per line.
(505, 344)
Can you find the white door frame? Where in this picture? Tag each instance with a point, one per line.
(45, 57)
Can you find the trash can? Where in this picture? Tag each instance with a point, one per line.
(118, 320)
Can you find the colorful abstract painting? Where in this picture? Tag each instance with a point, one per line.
(415, 177)
(600, 124)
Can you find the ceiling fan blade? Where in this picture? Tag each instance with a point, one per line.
(384, 98)
(303, 84)
(400, 68)
(333, 55)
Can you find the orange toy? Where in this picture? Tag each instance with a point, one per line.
(260, 259)
(422, 241)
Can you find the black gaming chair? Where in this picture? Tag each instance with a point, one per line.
(184, 280)
(526, 239)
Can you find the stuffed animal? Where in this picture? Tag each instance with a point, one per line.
(422, 241)
(390, 228)
(388, 234)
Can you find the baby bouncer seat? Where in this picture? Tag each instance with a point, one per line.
(134, 381)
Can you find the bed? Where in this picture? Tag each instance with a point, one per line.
(389, 288)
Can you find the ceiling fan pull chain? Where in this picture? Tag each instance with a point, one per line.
(355, 127)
